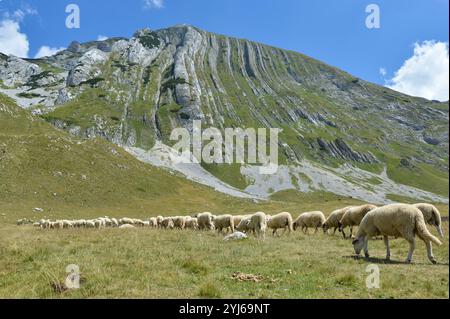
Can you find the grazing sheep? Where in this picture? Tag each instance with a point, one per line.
(310, 219)
(159, 220)
(242, 226)
(282, 220)
(146, 223)
(179, 222)
(127, 226)
(153, 222)
(90, 224)
(108, 221)
(334, 218)
(67, 224)
(205, 221)
(57, 225)
(138, 222)
(167, 223)
(432, 216)
(353, 217)
(396, 220)
(191, 223)
(114, 222)
(125, 220)
(237, 219)
(224, 222)
(256, 223)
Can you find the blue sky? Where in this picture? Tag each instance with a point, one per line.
(329, 30)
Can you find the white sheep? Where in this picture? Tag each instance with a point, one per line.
(237, 219)
(306, 220)
(126, 220)
(153, 222)
(224, 222)
(256, 223)
(127, 226)
(396, 220)
(90, 224)
(179, 222)
(280, 221)
(57, 224)
(191, 223)
(138, 222)
(159, 220)
(167, 223)
(334, 218)
(353, 217)
(432, 216)
(114, 222)
(205, 221)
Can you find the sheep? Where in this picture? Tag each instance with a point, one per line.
(138, 222)
(432, 216)
(224, 222)
(114, 222)
(127, 226)
(146, 223)
(334, 218)
(67, 224)
(353, 217)
(153, 222)
(255, 223)
(282, 220)
(205, 221)
(237, 219)
(108, 221)
(191, 223)
(125, 220)
(242, 226)
(97, 223)
(159, 220)
(90, 224)
(397, 220)
(179, 222)
(44, 223)
(314, 219)
(167, 223)
(57, 225)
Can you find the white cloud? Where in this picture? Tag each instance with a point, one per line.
(11, 40)
(102, 38)
(383, 72)
(47, 51)
(158, 4)
(426, 73)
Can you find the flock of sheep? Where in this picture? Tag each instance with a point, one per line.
(395, 220)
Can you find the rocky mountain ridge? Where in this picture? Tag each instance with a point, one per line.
(134, 91)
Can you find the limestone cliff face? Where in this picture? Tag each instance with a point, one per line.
(134, 91)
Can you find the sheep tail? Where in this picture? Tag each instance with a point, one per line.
(423, 231)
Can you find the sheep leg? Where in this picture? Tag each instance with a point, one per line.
(316, 230)
(343, 233)
(351, 231)
(334, 232)
(430, 252)
(388, 249)
(366, 247)
(412, 246)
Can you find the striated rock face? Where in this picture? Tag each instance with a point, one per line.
(14, 71)
(135, 91)
(88, 67)
(339, 149)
